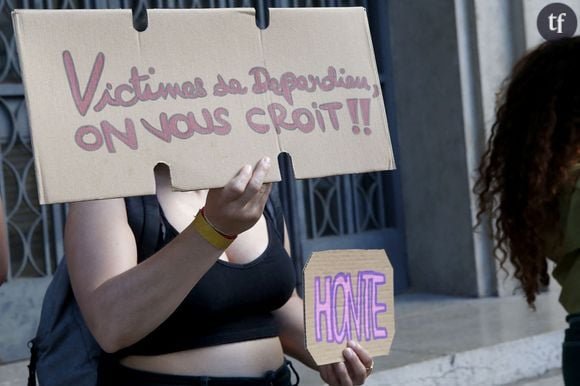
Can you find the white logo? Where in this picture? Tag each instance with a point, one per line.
(556, 21)
(559, 20)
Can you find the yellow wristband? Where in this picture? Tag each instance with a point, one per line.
(209, 233)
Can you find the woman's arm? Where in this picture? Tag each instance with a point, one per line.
(123, 301)
(352, 371)
(290, 318)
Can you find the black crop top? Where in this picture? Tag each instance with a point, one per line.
(231, 303)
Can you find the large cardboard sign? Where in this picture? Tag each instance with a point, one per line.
(348, 295)
(203, 91)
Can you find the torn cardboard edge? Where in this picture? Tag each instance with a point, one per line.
(243, 92)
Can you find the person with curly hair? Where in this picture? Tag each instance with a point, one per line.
(529, 180)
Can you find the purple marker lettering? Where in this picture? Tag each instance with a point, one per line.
(135, 81)
(259, 128)
(274, 86)
(232, 87)
(302, 83)
(207, 116)
(346, 80)
(367, 309)
(323, 307)
(372, 280)
(261, 78)
(129, 137)
(164, 133)
(365, 106)
(200, 91)
(223, 127)
(377, 91)
(125, 88)
(377, 279)
(278, 115)
(80, 138)
(167, 90)
(332, 108)
(355, 303)
(320, 120)
(106, 99)
(83, 101)
(290, 82)
(147, 94)
(342, 332)
(237, 88)
(305, 127)
(287, 86)
(220, 89)
(187, 120)
(188, 90)
(327, 83)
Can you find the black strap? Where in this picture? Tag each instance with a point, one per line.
(274, 206)
(145, 220)
(32, 364)
(151, 225)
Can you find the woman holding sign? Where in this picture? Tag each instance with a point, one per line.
(213, 305)
(529, 180)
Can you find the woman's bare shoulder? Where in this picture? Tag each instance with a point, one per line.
(97, 209)
(98, 236)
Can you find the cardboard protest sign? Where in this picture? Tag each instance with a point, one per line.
(348, 295)
(203, 91)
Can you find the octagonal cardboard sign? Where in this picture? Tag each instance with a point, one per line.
(348, 295)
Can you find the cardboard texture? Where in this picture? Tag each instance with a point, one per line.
(203, 91)
(348, 295)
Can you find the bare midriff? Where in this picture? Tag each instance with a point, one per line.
(242, 359)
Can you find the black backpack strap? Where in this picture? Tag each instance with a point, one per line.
(275, 209)
(152, 225)
(32, 345)
(144, 219)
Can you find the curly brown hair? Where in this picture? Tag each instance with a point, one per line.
(533, 144)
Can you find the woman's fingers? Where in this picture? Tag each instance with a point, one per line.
(353, 371)
(256, 182)
(262, 197)
(239, 204)
(356, 368)
(236, 187)
(342, 375)
(362, 354)
(327, 374)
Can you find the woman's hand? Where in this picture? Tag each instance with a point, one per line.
(237, 206)
(355, 369)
